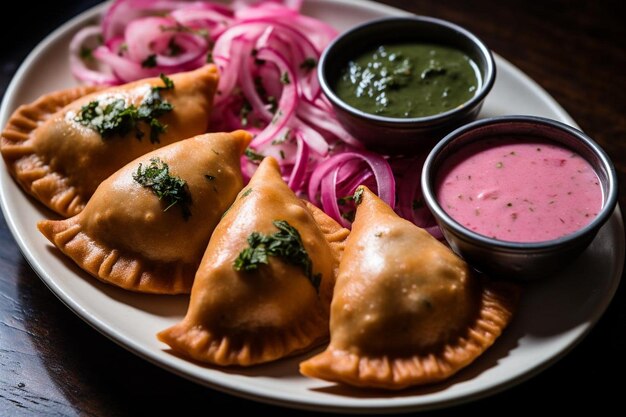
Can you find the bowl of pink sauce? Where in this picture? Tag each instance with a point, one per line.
(519, 196)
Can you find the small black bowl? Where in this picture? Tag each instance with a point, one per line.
(519, 260)
(393, 135)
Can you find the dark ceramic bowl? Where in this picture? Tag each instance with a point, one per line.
(393, 135)
(511, 259)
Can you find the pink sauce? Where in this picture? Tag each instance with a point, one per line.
(519, 190)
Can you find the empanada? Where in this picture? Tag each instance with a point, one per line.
(147, 226)
(62, 146)
(406, 310)
(256, 298)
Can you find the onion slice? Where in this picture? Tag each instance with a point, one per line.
(81, 45)
(326, 188)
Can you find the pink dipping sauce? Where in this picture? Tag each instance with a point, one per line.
(519, 190)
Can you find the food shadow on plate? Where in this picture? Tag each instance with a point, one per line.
(490, 359)
(156, 304)
(568, 299)
(286, 368)
(42, 211)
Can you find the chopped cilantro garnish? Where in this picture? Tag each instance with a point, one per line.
(117, 118)
(86, 54)
(149, 62)
(308, 64)
(286, 244)
(246, 108)
(253, 156)
(169, 188)
(358, 196)
(282, 138)
(273, 104)
(173, 48)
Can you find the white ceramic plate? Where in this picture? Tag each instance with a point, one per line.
(553, 315)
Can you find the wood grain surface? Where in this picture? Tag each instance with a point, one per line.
(52, 363)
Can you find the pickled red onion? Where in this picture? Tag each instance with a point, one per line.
(78, 64)
(329, 185)
(266, 53)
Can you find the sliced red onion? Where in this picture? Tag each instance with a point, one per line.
(246, 79)
(123, 12)
(319, 33)
(298, 173)
(325, 182)
(325, 120)
(87, 38)
(201, 17)
(313, 139)
(329, 197)
(288, 99)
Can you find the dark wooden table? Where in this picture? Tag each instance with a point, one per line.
(52, 363)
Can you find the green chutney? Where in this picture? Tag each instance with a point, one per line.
(409, 80)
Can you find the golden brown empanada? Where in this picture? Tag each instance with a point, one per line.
(406, 310)
(147, 226)
(60, 148)
(246, 317)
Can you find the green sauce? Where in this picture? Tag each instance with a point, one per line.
(409, 80)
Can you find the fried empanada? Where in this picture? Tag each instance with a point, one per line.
(147, 226)
(406, 310)
(256, 298)
(62, 146)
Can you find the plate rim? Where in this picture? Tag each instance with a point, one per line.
(169, 363)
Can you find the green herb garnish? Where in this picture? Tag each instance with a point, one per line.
(257, 61)
(277, 116)
(284, 78)
(358, 196)
(149, 62)
(117, 118)
(286, 244)
(282, 138)
(308, 64)
(180, 28)
(271, 100)
(86, 54)
(173, 48)
(113, 119)
(154, 106)
(349, 215)
(168, 84)
(169, 188)
(253, 156)
(246, 108)
(122, 49)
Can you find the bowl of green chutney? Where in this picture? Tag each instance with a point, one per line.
(400, 84)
